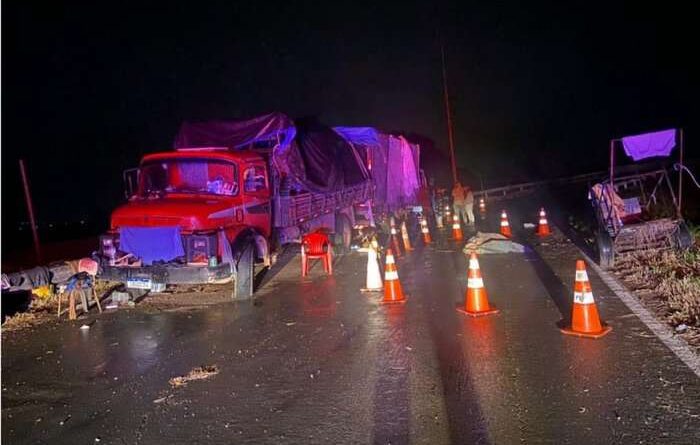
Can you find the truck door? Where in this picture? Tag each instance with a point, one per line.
(256, 197)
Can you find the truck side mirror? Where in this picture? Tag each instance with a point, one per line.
(131, 181)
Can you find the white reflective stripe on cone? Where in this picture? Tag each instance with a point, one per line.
(391, 275)
(393, 230)
(424, 230)
(390, 259)
(503, 215)
(504, 224)
(543, 221)
(456, 226)
(473, 264)
(581, 275)
(475, 283)
(583, 298)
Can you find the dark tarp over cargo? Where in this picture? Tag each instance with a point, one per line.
(310, 153)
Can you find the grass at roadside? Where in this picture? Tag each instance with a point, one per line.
(668, 282)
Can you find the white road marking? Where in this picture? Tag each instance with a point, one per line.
(663, 332)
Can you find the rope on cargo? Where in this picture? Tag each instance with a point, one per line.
(681, 167)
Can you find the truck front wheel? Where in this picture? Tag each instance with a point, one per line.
(245, 272)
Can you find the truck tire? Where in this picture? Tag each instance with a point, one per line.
(343, 234)
(682, 237)
(606, 251)
(245, 272)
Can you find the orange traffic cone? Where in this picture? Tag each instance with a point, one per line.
(476, 302)
(374, 277)
(543, 227)
(406, 238)
(392, 286)
(427, 239)
(505, 227)
(395, 243)
(446, 217)
(482, 205)
(456, 228)
(585, 321)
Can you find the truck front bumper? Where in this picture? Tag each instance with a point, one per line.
(169, 274)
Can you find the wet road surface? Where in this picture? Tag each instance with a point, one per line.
(316, 361)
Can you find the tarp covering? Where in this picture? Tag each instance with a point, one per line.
(313, 155)
(392, 162)
(642, 146)
(152, 243)
(359, 135)
(237, 134)
(485, 243)
(402, 179)
(329, 161)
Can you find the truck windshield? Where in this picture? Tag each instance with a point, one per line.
(188, 176)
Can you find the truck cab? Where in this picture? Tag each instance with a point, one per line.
(199, 190)
(217, 200)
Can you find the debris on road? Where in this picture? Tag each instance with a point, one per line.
(485, 243)
(23, 320)
(199, 373)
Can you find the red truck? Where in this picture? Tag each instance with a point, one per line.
(227, 197)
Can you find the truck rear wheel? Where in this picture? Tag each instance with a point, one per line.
(245, 272)
(343, 234)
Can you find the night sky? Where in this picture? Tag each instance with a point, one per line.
(536, 91)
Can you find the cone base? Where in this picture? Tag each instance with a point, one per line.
(393, 301)
(568, 331)
(366, 289)
(492, 311)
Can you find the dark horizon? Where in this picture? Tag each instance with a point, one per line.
(535, 92)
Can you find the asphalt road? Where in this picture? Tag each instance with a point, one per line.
(317, 361)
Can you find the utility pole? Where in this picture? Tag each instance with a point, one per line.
(450, 135)
(30, 210)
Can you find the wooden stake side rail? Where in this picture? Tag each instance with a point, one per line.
(293, 210)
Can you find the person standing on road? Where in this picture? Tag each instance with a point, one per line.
(458, 197)
(469, 204)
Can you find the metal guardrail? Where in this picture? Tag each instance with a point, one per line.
(516, 190)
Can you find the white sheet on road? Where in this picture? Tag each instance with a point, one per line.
(483, 243)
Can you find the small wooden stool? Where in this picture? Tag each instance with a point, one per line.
(78, 290)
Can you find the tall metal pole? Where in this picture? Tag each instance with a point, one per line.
(30, 210)
(680, 178)
(612, 161)
(450, 136)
